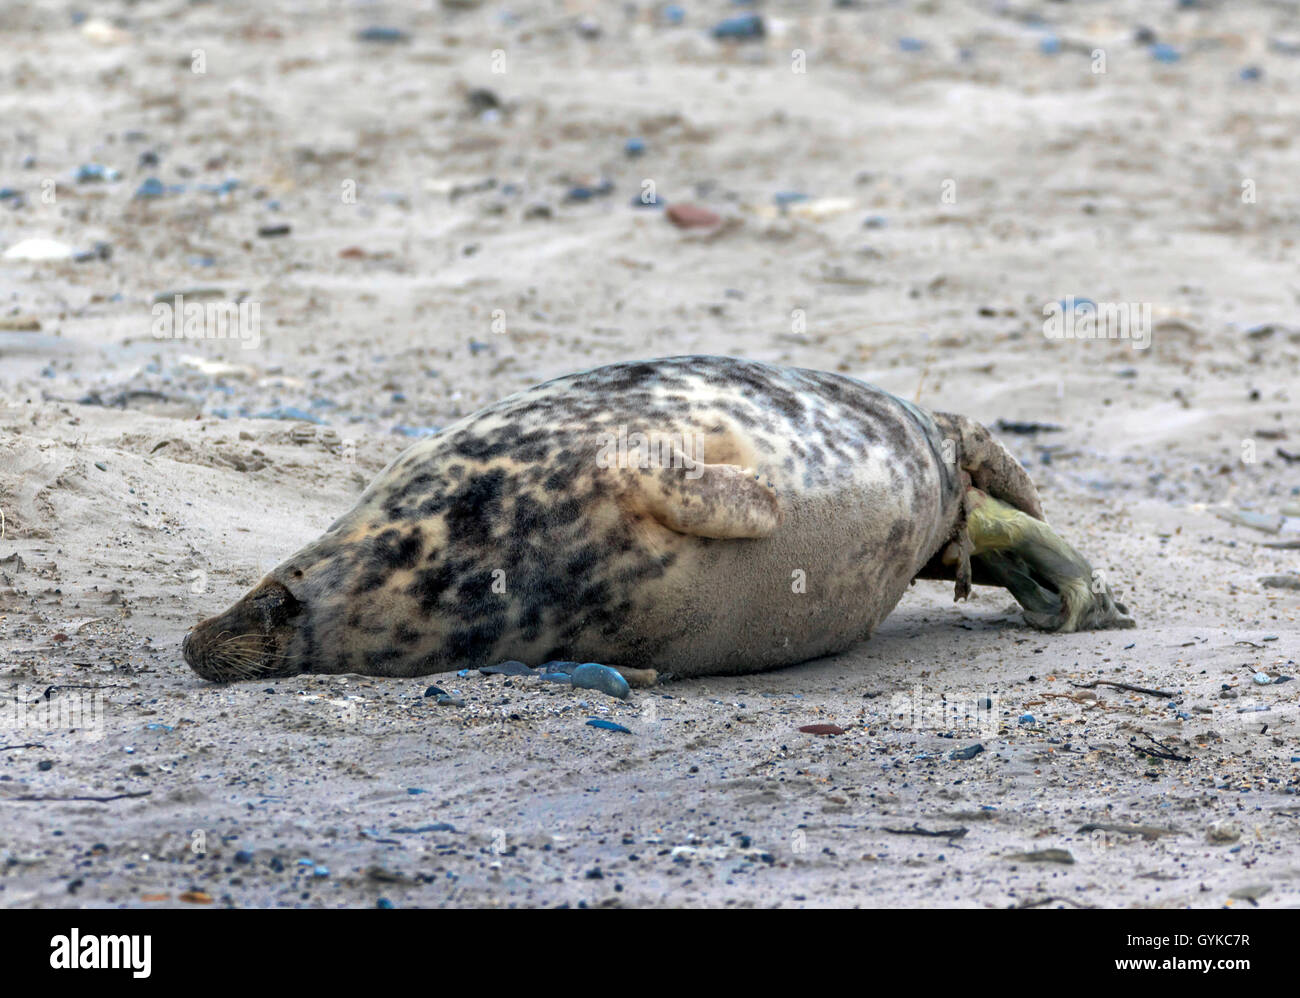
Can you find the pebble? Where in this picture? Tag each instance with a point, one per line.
(243, 856)
(272, 231)
(746, 27)
(598, 722)
(691, 216)
(151, 188)
(970, 752)
(822, 729)
(1263, 679)
(1288, 581)
(1161, 52)
(508, 668)
(383, 35)
(1026, 719)
(910, 45)
(585, 192)
(447, 700)
(633, 148)
(435, 691)
(1222, 832)
(556, 665)
(592, 676)
(555, 677)
(89, 173)
(36, 249)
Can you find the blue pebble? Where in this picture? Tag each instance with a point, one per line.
(290, 412)
(243, 856)
(416, 431)
(558, 666)
(592, 676)
(151, 188)
(1251, 73)
(509, 668)
(585, 192)
(673, 14)
(1161, 52)
(655, 201)
(91, 172)
(597, 722)
(416, 790)
(1026, 718)
(783, 198)
(463, 674)
(306, 862)
(384, 903)
(383, 35)
(746, 27)
(321, 871)
(910, 44)
(555, 677)
(1051, 45)
(633, 148)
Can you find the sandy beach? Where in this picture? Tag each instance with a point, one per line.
(424, 219)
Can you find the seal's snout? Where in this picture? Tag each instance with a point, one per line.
(248, 641)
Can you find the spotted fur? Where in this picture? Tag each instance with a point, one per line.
(506, 535)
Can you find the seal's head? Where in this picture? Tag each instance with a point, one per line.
(251, 640)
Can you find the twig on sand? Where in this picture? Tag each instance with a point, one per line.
(1161, 751)
(1148, 832)
(6, 748)
(96, 800)
(1048, 900)
(1125, 686)
(938, 833)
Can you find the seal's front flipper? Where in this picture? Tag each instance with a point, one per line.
(1052, 581)
(637, 677)
(706, 500)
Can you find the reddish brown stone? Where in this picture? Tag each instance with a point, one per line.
(692, 216)
(822, 729)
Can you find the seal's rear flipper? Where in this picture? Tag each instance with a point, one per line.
(992, 468)
(1053, 582)
(706, 500)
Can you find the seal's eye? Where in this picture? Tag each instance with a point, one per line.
(276, 603)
